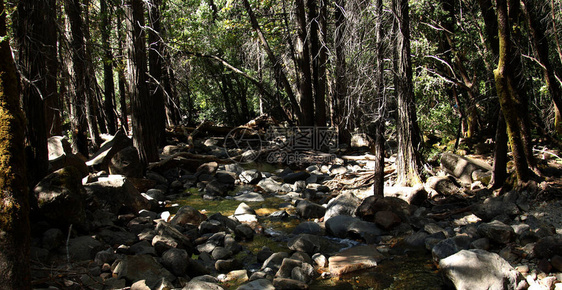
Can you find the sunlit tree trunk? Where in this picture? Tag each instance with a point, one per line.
(408, 162)
(14, 204)
(143, 115)
(509, 98)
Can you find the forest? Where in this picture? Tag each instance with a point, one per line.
(420, 82)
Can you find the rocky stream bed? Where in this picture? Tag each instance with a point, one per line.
(196, 220)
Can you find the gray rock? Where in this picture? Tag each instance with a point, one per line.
(188, 215)
(116, 236)
(61, 197)
(296, 176)
(165, 229)
(450, 246)
(52, 239)
(387, 219)
(497, 231)
(366, 231)
(200, 285)
(258, 284)
(252, 176)
(207, 168)
(548, 247)
(416, 239)
(244, 232)
(320, 260)
(309, 244)
(263, 254)
(274, 261)
(142, 267)
(479, 269)
(243, 208)
(304, 273)
(221, 253)
(176, 261)
(83, 248)
(493, 207)
(106, 256)
(211, 226)
(288, 284)
(343, 204)
(270, 185)
(225, 266)
(143, 248)
(162, 243)
(308, 210)
(247, 196)
(286, 267)
(338, 226)
(442, 185)
(116, 191)
(226, 178)
(216, 188)
(353, 259)
(308, 227)
(126, 162)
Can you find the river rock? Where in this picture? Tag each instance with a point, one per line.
(244, 232)
(497, 231)
(286, 266)
(216, 188)
(450, 246)
(251, 176)
(270, 185)
(344, 204)
(207, 168)
(387, 219)
(412, 195)
(548, 246)
(307, 210)
(338, 226)
(296, 176)
(188, 215)
(479, 269)
(442, 185)
(353, 259)
(61, 197)
(82, 248)
(308, 227)
(211, 226)
(116, 192)
(493, 207)
(288, 284)
(201, 285)
(247, 196)
(126, 162)
(258, 284)
(274, 261)
(142, 267)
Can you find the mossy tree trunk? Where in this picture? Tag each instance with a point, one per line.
(511, 102)
(14, 205)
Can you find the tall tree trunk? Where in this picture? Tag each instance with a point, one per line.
(155, 61)
(408, 162)
(540, 46)
(14, 203)
(279, 72)
(33, 52)
(123, 92)
(109, 86)
(499, 172)
(508, 94)
(80, 94)
(53, 109)
(304, 76)
(340, 92)
(378, 185)
(144, 138)
(93, 98)
(317, 20)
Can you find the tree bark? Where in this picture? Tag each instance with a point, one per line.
(508, 95)
(14, 204)
(123, 92)
(317, 20)
(340, 92)
(155, 62)
(80, 94)
(499, 172)
(303, 73)
(144, 138)
(109, 86)
(408, 162)
(378, 185)
(34, 51)
(539, 41)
